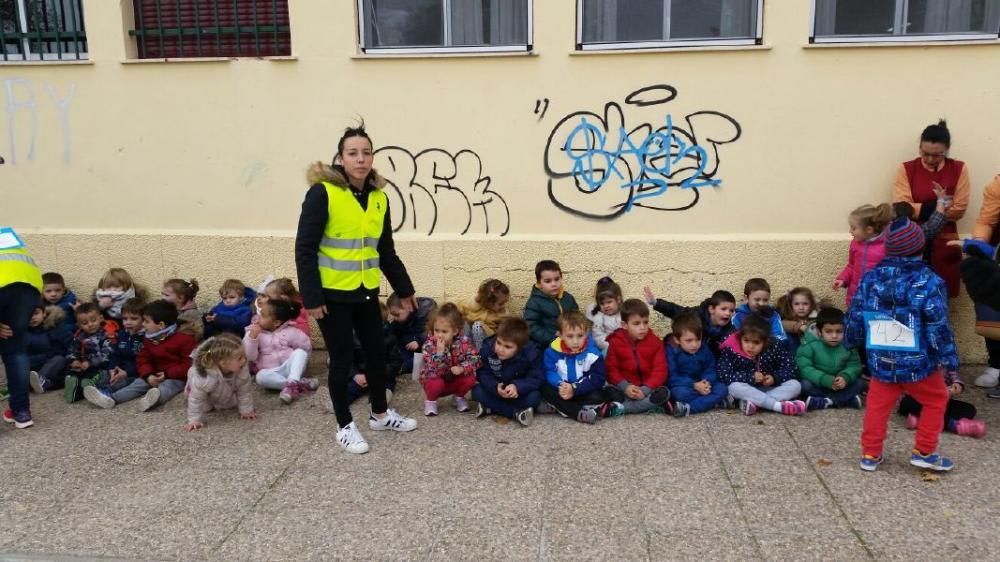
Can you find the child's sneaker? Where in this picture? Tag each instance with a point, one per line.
(289, 393)
(525, 416)
(481, 411)
(994, 394)
(728, 403)
(911, 422)
(149, 400)
(611, 410)
(72, 383)
(545, 408)
(748, 408)
(855, 403)
(37, 382)
(351, 440)
(20, 421)
(681, 410)
(989, 379)
(98, 398)
(461, 404)
(391, 421)
(587, 415)
(870, 463)
(970, 428)
(430, 407)
(932, 461)
(818, 403)
(660, 396)
(8, 415)
(793, 407)
(308, 384)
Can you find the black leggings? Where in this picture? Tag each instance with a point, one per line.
(571, 408)
(993, 350)
(956, 410)
(341, 322)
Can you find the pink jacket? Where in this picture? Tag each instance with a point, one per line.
(217, 391)
(271, 349)
(861, 258)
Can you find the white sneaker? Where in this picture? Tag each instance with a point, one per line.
(98, 398)
(150, 399)
(989, 378)
(35, 380)
(430, 407)
(351, 440)
(461, 404)
(393, 421)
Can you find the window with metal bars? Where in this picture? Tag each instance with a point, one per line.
(42, 30)
(211, 28)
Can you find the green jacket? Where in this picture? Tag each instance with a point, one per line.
(542, 314)
(820, 363)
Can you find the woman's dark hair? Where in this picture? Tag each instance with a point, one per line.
(937, 134)
(349, 132)
(283, 311)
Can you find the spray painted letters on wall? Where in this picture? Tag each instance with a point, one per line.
(601, 167)
(434, 191)
(22, 110)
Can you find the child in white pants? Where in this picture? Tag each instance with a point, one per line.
(279, 350)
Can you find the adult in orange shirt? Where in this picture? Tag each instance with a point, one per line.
(915, 183)
(987, 231)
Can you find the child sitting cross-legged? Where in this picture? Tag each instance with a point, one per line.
(449, 360)
(510, 375)
(831, 373)
(759, 371)
(218, 380)
(89, 352)
(122, 369)
(574, 371)
(636, 365)
(693, 383)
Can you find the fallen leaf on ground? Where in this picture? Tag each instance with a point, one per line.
(929, 476)
(824, 462)
(501, 420)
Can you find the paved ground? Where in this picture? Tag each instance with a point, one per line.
(90, 483)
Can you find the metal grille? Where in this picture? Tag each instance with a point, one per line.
(211, 28)
(36, 30)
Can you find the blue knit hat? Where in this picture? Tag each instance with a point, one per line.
(904, 238)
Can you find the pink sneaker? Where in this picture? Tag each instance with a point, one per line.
(308, 384)
(793, 407)
(970, 428)
(289, 393)
(8, 415)
(911, 421)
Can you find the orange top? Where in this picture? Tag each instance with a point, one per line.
(901, 192)
(989, 215)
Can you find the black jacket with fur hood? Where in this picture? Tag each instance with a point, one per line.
(312, 223)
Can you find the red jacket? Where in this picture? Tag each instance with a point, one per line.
(172, 356)
(623, 354)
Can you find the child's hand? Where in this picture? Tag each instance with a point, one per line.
(84, 365)
(648, 293)
(249, 416)
(193, 426)
(361, 380)
(758, 377)
(457, 371)
(634, 392)
(502, 391)
(75, 365)
(117, 375)
(5, 332)
(839, 383)
(209, 318)
(703, 387)
(565, 391)
(74, 305)
(511, 391)
(412, 346)
(155, 380)
(768, 380)
(838, 285)
(956, 389)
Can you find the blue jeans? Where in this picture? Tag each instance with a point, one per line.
(840, 398)
(138, 388)
(17, 303)
(506, 407)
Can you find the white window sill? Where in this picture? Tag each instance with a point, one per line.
(72, 62)
(903, 44)
(209, 59)
(691, 49)
(444, 55)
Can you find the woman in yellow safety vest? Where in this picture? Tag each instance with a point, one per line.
(20, 291)
(343, 245)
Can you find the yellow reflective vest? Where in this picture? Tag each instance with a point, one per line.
(348, 254)
(16, 266)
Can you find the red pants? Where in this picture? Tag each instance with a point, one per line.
(459, 386)
(931, 393)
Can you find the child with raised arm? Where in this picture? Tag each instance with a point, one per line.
(715, 312)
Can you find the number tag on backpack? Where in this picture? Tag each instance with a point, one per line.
(887, 333)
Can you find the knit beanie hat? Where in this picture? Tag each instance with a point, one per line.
(904, 238)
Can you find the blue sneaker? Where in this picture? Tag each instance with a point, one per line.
(932, 461)
(870, 463)
(818, 403)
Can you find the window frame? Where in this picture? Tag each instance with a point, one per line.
(77, 37)
(443, 49)
(900, 17)
(758, 39)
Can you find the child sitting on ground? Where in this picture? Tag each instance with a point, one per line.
(409, 326)
(574, 371)
(89, 352)
(547, 302)
(164, 360)
(54, 292)
(510, 377)
(715, 312)
(115, 287)
(693, 383)
(279, 352)
(759, 371)
(358, 384)
(636, 365)
(904, 295)
(47, 341)
(798, 309)
(756, 296)
(484, 315)
(181, 294)
(123, 368)
(606, 312)
(449, 360)
(284, 289)
(830, 373)
(218, 380)
(233, 313)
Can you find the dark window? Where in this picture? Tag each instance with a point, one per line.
(610, 22)
(42, 30)
(429, 24)
(927, 19)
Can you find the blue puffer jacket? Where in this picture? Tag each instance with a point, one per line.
(769, 314)
(584, 370)
(49, 339)
(232, 319)
(523, 370)
(125, 350)
(906, 289)
(689, 368)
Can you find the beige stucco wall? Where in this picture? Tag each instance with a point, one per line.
(196, 169)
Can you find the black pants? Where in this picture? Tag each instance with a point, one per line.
(957, 409)
(341, 322)
(993, 350)
(571, 408)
